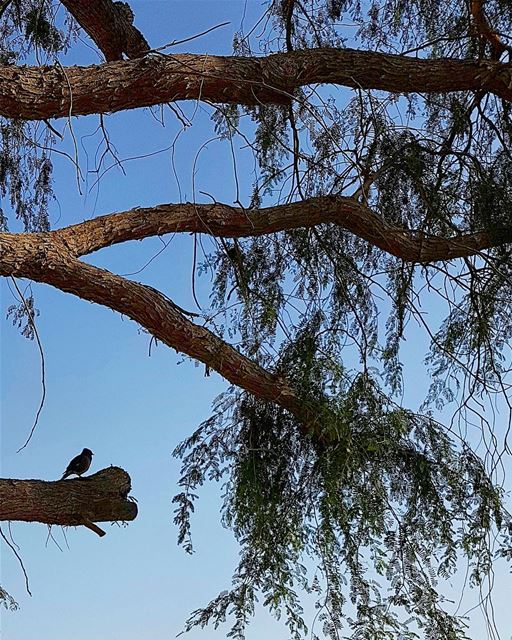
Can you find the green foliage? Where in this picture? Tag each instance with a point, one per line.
(28, 31)
(372, 507)
(491, 195)
(381, 497)
(25, 175)
(7, 601)
(42, 31)
(23, 316)
(29, 24)
(437, 164)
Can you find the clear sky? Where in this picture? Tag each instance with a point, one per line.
(106, 393)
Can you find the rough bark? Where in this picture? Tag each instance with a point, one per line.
(42, 259)
(108, 25)
(102, 497)
(51, 258)
(45, 92)
(35, 93)
(223, 220)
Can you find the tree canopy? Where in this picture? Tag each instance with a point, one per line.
(380, 134)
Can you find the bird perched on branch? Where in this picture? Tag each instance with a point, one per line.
(79, 464)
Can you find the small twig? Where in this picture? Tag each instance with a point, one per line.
(19, 560)
(109, 148)
(51, 536)
(153, 339)
(172, 303)
(71, 130)
(198, 35)
(3, 6)
(194, 261)
(93, 527)
(53, 129)
(65, 537)
(296, 151)
(185, 123)
(288, 6)
(166, 244)
(11, 536)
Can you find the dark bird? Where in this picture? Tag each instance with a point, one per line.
(79, 464)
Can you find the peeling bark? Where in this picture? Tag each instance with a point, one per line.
(102, 497)
(36, 93)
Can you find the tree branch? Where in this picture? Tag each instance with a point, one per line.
(485, 31)
(109, 25)
(51, 258)
(222, 220)
(102, 497)
(35, 93)
(40, 257)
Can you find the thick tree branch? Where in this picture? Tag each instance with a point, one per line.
(35, 93)
(41, 258)
(108, 24)
(102, 497)
(52, 258)
(225, 221)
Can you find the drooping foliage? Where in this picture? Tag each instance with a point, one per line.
(371, 506)
(368, 523)
(28, 34)
(7, 601)
(27, 31)
(439, 164)
(374, 514)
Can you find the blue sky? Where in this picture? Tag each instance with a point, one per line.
(106, 393)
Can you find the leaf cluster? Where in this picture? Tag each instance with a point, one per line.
(378, 497)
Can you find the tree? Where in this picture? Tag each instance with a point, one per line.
(382, 183)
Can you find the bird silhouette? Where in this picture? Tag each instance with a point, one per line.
(79, 464)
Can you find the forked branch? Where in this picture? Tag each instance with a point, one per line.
(110, 25)
(52, 258)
